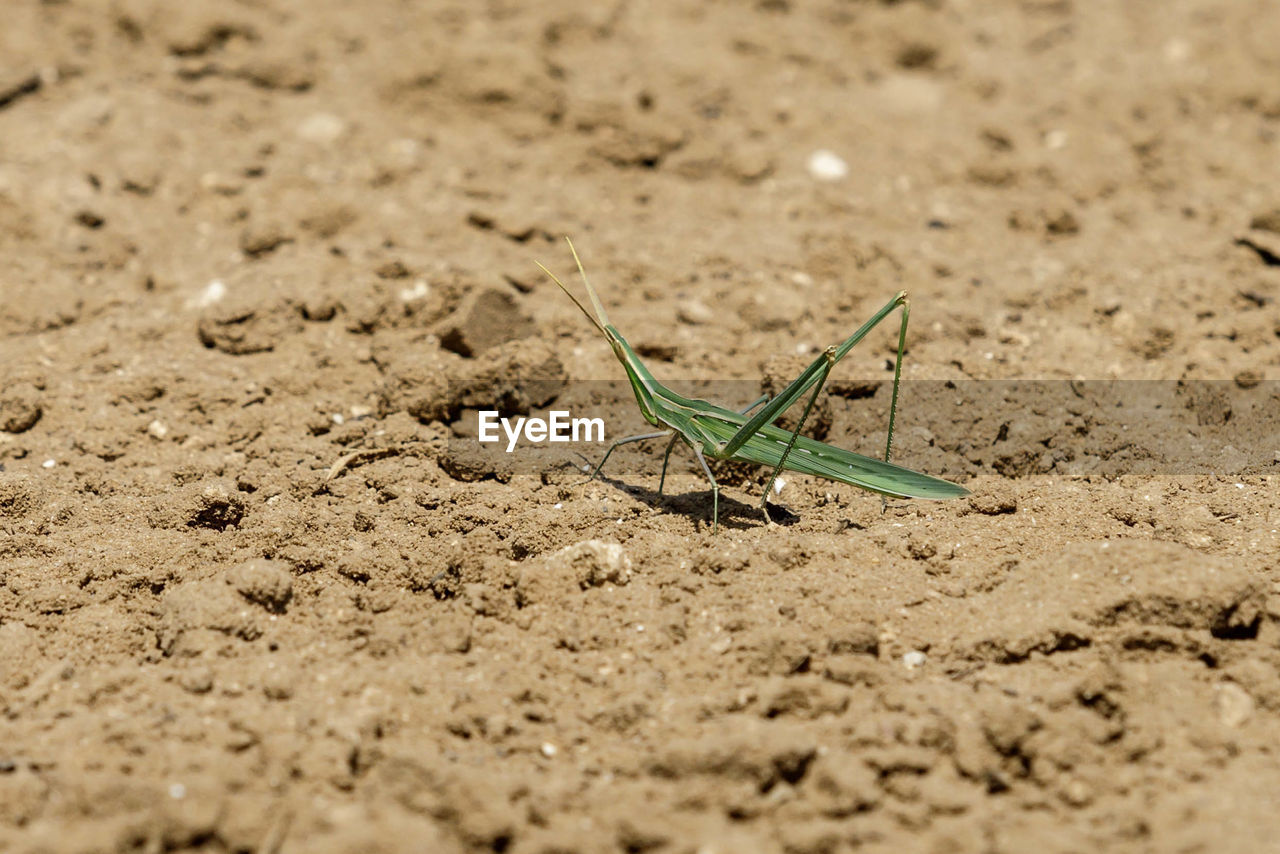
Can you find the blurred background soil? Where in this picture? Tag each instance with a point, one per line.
(258, 260)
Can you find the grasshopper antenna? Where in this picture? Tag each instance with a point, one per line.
(567, 293)
(591, 292)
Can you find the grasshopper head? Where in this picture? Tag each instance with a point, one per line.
(642, 382)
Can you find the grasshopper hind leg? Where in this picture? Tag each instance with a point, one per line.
(822, 381)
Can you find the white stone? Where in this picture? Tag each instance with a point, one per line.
(695, 312)
(212, 292)
(322, 128)
(827, 166)
(419, 290)
(1055, 139)
(1234, 704)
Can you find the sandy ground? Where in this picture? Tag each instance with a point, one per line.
(261, 261)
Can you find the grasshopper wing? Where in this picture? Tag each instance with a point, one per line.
(810, 456)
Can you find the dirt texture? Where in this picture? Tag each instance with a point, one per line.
(260, 262)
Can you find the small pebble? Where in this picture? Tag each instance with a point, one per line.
(1077, 793)
(197, 680)
(277, 684)
(223, 185)
(263, 582)
(261, 238)
(994, 504)
(20, 407)
(419, 290)
(695, 312)
(1055, 139)
(1266, 220)
(912, 660)
(322, 128)
(213, 292)
(1234, 704)
(827, 166)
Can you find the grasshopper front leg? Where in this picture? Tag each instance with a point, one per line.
(715, 489)
(666, 457)
(626, 441)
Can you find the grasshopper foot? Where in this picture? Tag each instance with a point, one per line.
(586, 466)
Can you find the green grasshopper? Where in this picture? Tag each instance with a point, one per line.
(723, 434)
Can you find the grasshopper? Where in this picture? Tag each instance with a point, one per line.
(724, 434)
